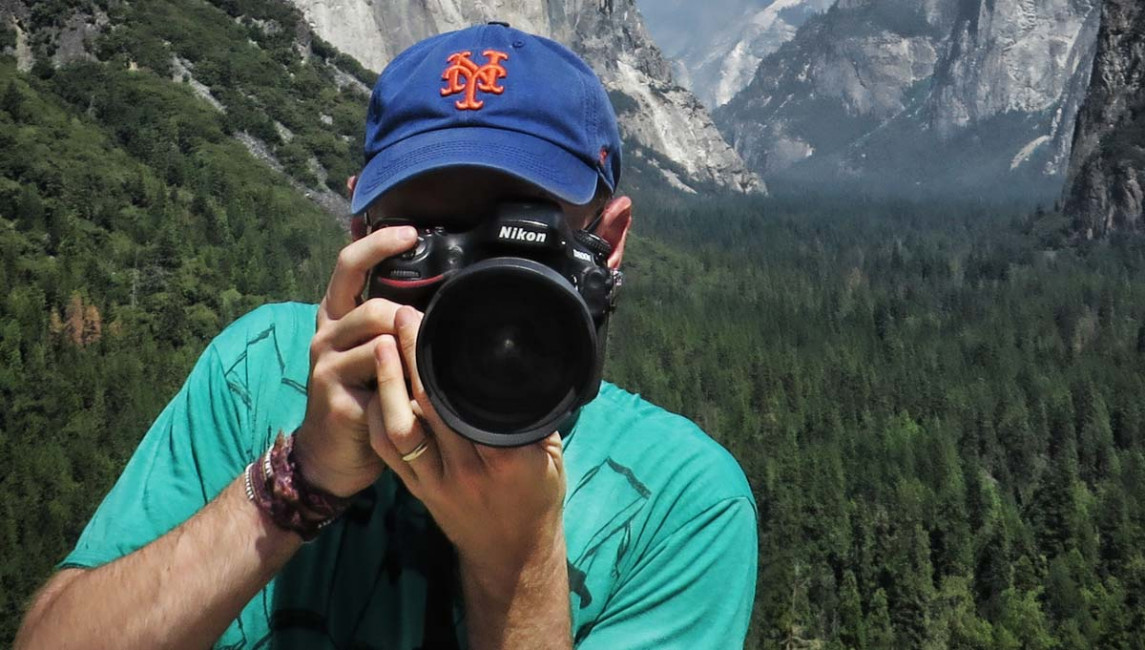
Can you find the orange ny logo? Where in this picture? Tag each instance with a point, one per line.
(463, 75)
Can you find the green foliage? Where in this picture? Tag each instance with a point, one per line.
(343, 62)
(131, 231)
(937, 413)
(266, 80)
(937, 406)
(7, 37)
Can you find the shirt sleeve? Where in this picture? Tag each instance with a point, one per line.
(192, 451)
(694, 589)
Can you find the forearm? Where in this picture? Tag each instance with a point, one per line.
(526, 607)
(180, 591)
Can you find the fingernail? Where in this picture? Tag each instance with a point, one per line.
(407, 233)
(382, 349)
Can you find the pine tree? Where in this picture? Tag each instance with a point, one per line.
(30, 209)
(1054, 509)
(13, 102)
(911, 588)
(993, 573)
(880, 632)
(1022, 616)
(852, 631)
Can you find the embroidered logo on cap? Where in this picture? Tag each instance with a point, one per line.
(483, 78)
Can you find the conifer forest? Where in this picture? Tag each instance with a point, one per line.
(938, 405)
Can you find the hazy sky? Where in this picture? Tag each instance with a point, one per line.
(675, 23)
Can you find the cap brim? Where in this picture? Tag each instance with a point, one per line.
(525, 156)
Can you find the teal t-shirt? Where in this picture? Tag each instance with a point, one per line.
(660, 523)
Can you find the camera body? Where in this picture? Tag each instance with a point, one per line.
(531, 230)
(516, 315)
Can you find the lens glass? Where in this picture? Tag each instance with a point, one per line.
(510, 348)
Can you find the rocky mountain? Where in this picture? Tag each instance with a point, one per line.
(716, 46)
(1105, 190)
(665, 126)
(939, 96)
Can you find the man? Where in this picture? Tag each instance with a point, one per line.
(631, 529)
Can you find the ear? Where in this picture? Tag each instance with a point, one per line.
(357, 221)
(614, 224)
(357, 227)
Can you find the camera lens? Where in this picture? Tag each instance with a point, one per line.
(506, 351)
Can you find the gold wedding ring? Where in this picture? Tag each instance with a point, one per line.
(418, 451)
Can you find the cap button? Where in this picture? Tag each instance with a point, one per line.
(498, 22)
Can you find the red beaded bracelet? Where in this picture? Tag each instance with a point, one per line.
(276, 485)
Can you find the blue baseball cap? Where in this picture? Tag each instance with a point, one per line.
(491, 96)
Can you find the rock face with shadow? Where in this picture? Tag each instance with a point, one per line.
(1105, 191)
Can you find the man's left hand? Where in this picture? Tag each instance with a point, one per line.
(501, 508)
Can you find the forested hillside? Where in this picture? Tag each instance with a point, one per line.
(937, 406)
(939, 410)
(133, 227)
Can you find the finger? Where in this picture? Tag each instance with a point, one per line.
(456, 452)
(554, 446)
(383, 447)
(356, 260)
(498, 459)
(399, 425)
(535, 461)
(407, 323)
(349, 404)
(365, 322)
(353, 368)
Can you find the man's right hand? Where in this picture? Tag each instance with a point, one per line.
(333, 444)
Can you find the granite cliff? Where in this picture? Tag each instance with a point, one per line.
(1105, 190)
(665, 126)
(937, 96)
(716, 46)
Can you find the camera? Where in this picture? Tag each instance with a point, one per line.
(516, 315)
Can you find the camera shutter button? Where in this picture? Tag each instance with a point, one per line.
(417, 251)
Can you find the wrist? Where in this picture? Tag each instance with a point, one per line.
(503, 577)
(521, 604)
(276, 543)
(274, 482)
(315, 472)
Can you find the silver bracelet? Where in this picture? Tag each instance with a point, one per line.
(249, 484)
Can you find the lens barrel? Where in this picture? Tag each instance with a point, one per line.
(507, 351)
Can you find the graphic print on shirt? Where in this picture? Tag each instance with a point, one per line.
(613, 493)
(292, 376)
(379, 578)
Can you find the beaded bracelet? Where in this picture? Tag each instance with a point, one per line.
(276, 485)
